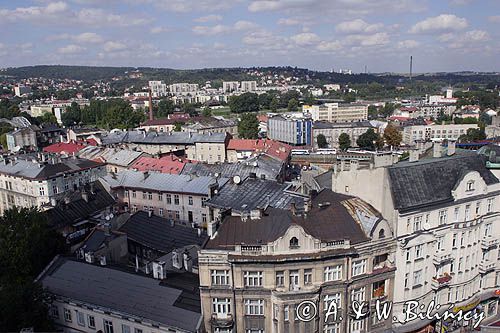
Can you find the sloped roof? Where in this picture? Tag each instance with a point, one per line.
(166, 164)
(431, 181)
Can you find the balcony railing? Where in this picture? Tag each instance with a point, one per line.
(222, 320)
(489, 242)
(486, 266)
(441, 282)
(251, 249)
(441, 257)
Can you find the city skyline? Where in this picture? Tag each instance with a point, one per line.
(452, 35)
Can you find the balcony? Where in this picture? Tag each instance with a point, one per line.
(488, 242)
(441, 257)
(251, 249)
(486, 266)
(222, 320)
(440, 282)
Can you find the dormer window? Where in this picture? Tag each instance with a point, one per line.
(470, 185)
(294, 243)
(381, 234)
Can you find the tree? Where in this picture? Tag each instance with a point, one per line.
(247, 102)
(293, 105)
(178, 126)
(473, 134)
(3, 141)
(48, 118)
(165, 107)
(321, 141)
(248, 126)
(388, 109)
(274, 104)
(369, 140)
(207, 112)
(344, 141)
(372, 111)
(392, 136)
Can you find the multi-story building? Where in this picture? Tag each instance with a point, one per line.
(207, 125)
(446, 218)
(31, 181)
(230, 86)
(248, 86)
(40, 110)
(337, 113)
(144, 305)
(183, 88)
(21, 90)
(177, 197)
(332, 131)
(158, 88)
(22, 138)
(411, 134)
(297, 132)
(256, 269)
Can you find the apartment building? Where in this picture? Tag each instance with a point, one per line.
(332, 131)
(294, 131)
(257, 268)
(37, 181)
(22, 138)
(248, 86)
(126, 302)
(183, 88)
(414, 133)
(446, 218)
(177, 197)
(158, 88)
(230, 86)
(337, 113)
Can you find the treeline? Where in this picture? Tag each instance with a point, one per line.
(272, 100)
(109, 114)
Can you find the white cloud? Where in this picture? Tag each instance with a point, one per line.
(114, 46)
(185, 6)
(378, 39)
(441, 23)
(465, 40)
(495, 19)
(289, 21)
(306, 39)
(329, 46)
(71, 49)
(408, 44)
(357, 26)
(222, 29)
(158, 30)
(208, 18)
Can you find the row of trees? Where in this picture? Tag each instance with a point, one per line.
(272, 100)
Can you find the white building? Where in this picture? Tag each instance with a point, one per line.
(158, 88)
(447, 220)
(411, 134)
(183, 88)
(335, 112)
(230, 86)
(332, 87)
(248, 86)
(21, 90)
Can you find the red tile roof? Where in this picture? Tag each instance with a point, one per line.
(68, 148)
(273, 148)
(167, 164)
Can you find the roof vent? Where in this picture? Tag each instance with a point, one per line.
(324, 204)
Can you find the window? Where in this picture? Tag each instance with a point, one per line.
(108, 326)
(54, 311)
(150, 196)
(42, 191)
(294, 243)
(134, 194)
(417, 277)
(456, 214)
(294, 278)
(478, 207)
(280, 279)
(220, 277)
(144, 195)
(333, 273)
(487, 229)
(470, 185)
(176, 199)
(467, 212)
(358, 294)
(253, 279)
(357, 325)
(417, 223)
(80, 318)
(190, 200)
(67, 315)
(177, 215)
(454, 240)
(419, 251)
(442, 217)
(160, 196)
(332, 298)
(332, 328)
(254, 307)
(358, 267)
(276, 312)
(440, 243)
(221, 306)
(204, 218)
(381, 234)
(137, 330)
(408, 254)
(169, 198)
(160, 211)
(407, 280)
(286, 312)
(125, 328)
(308, 274)
(489, 205)
(91, 321)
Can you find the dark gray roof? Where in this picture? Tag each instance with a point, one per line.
(331, 222)
(120, 291)
(431, 181)
(253, 194)
(172, 138)
(324, 180)
(159, 234)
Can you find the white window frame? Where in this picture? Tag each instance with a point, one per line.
(333, 273)
(254, 307)
(358, 267)
(219, 277)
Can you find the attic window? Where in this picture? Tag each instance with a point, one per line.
(470, 185)
(294, 243)
(381, 234)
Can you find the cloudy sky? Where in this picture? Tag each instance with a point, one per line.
(442, 35)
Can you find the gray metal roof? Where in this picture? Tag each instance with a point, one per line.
(121, 157)
(172, 138)
(162, 182)
(120, 291)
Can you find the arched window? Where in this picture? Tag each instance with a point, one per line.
(470, 185)
(381, 234)
(294, 243)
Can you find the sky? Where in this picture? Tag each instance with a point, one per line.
(441, 35)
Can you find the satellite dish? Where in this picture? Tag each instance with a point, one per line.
(236, 179)
(107, 218)
(111, 215)
(216, 175)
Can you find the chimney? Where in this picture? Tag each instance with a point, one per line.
(199, 232)
(188, 262)
(436, 150)
(414, 155)
(85, 195)
(150, 213)
(451, 148)
(293, 208)
(150, 105)
(307, 205)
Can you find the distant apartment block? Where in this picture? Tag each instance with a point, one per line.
(297, 132)
(248, 86)
(230, 86)
(21, 90)
(158, 88)
(411, 134)
(337, 113)
(235, 86)
(183, 88)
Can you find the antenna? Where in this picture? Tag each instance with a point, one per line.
(411, 66)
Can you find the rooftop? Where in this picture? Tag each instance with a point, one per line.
(159, 233)
(166, 164)
(120, 291)
(173, 138)
(273, 148)
(354, 124)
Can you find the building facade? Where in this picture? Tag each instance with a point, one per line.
(411, 134)
(337, 113)
(158, 88)
(254, 276)
(332, 131)
(445, 212)
(297, 132)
